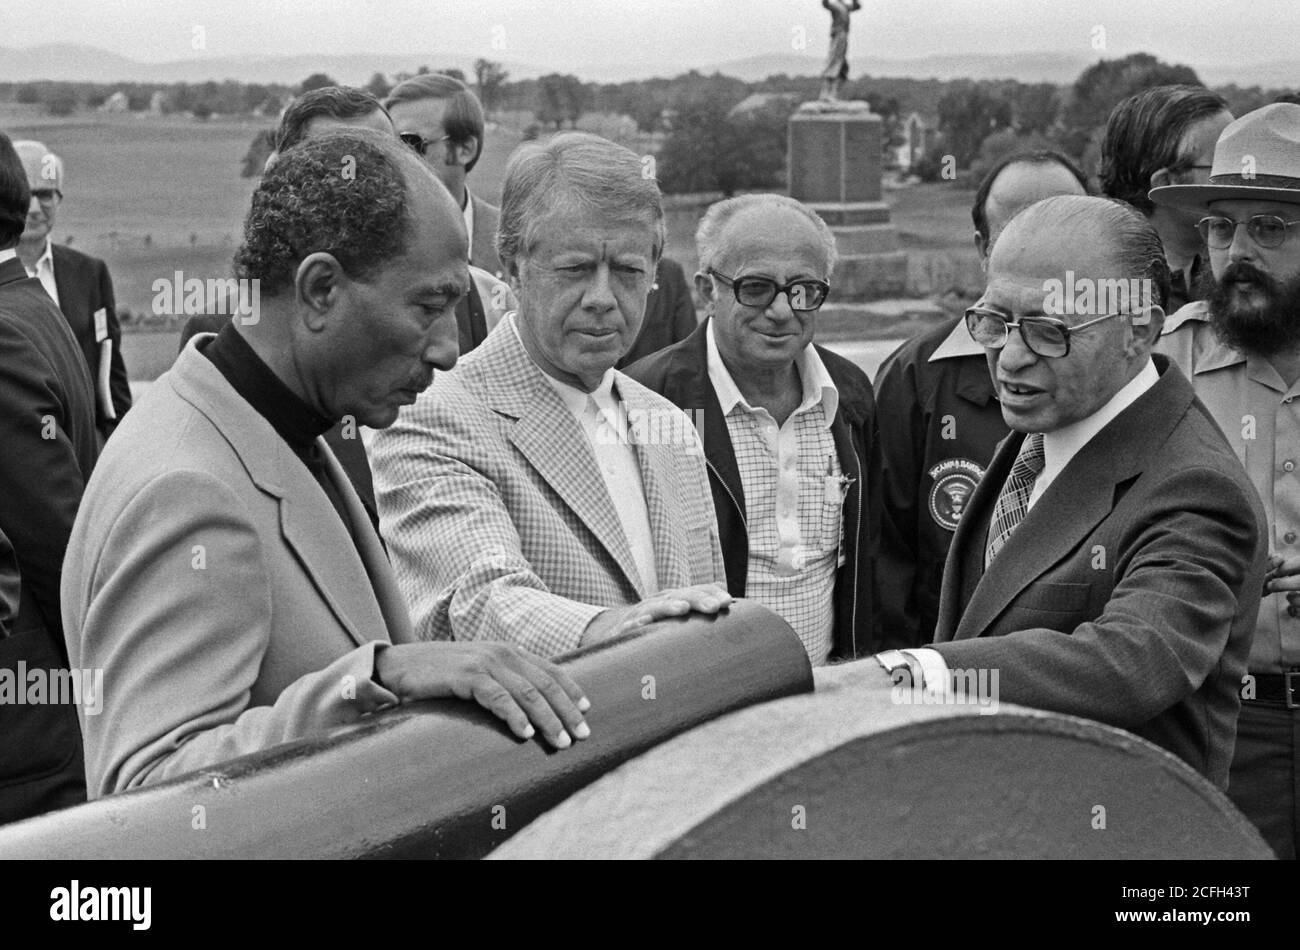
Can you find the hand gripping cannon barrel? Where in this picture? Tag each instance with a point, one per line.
(706, 742)
(438, 779)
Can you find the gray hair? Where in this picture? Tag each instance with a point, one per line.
(573, 171)
(27, 148)
(709, 234)
(1134, 244)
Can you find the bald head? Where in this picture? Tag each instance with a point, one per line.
(1066, 227)
(1093, 265)
(1014, 185)
(44, 171)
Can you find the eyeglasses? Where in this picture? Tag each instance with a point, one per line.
(1044, 336)
(419, 143)
(47, 196)
(804, 295)
(1266, 230)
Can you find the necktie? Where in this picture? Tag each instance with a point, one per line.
(1013, 502)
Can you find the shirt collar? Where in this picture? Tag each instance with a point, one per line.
(574, 398)
(1062, 445)
(955, 344)
(1218, 355)
(47, 258)
(293, 419)
(468, 213)
(7, 254)
(818, 387)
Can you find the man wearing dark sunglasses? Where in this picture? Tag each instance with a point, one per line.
(788, 427)
(1241, 349)
(1105, 565)
(442, 120)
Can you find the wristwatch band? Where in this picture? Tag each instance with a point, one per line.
(893, 660)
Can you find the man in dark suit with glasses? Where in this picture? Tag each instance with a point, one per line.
(1108, 564)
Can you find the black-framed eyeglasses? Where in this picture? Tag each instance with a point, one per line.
(1044, 336)
(804, 294)
(419, 143)
(1266, 230)
(47, 196)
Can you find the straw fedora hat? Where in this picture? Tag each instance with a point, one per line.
(1257, 157)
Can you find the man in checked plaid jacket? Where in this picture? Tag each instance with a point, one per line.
(535, 494)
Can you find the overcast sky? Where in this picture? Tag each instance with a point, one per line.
(673, 33)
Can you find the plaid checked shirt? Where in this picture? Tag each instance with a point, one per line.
(794, 499)
(497, 517)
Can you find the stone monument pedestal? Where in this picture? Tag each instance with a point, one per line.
(835, 164)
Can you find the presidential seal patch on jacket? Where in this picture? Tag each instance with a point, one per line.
(954, 480)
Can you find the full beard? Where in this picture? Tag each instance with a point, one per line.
(1265, 329)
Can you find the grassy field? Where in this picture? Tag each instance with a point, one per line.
(155, 194)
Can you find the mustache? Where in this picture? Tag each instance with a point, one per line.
(1242, 272)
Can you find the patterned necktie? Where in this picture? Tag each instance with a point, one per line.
(1013, 502)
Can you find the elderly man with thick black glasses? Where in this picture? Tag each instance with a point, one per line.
(788, 427)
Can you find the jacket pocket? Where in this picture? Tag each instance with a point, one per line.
(1054, 597)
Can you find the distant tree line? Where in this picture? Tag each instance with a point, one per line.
(704, 142)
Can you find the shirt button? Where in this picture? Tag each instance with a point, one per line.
(1288, 466)
(1289, 537)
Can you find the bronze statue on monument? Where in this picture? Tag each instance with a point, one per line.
(837, 61)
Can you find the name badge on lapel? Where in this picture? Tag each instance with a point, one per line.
(101, 325)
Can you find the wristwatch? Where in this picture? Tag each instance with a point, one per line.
(893, 660)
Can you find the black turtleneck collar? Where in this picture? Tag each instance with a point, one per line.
(293, 420)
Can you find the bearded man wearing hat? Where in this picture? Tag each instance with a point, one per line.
(1241, 349)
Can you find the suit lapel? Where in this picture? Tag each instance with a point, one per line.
(326, 549)
(655, 459)
(686, 384)
(1080, 497)
(308, 522)
(392, 607)
(552, 442)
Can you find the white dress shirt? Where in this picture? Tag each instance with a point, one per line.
(597, 413)
(1063, 444)
(467, 213)
(44, 271)
(794, 498)
(7, 253)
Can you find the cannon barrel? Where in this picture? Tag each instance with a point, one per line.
(435, 779)
(860, 770)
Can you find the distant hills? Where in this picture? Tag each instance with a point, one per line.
(90, 64)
